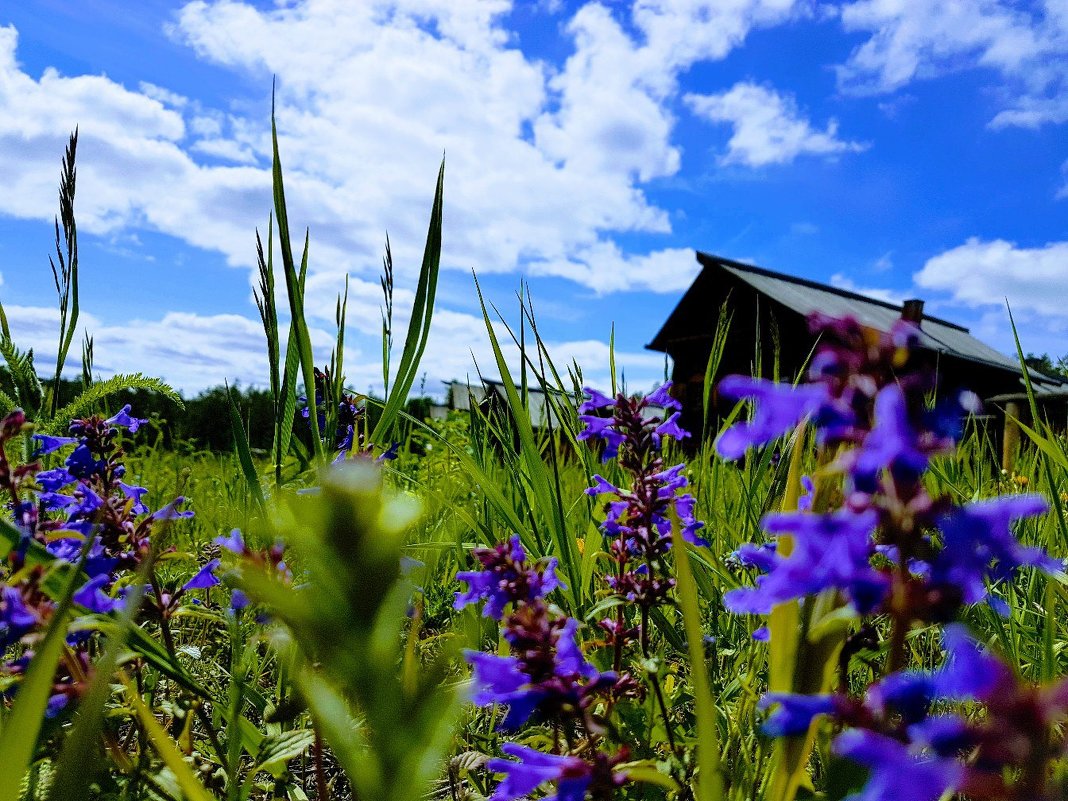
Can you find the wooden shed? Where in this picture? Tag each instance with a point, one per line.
(769, 336)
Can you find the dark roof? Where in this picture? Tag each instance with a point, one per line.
(805, 297)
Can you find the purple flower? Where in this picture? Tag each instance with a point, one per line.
(779, 407)
(601, 428)
(804, 503)
(50, 444)
(505, 578)
(946, 735)
(762, 557)
(390, 453)
(830, 552)
(56, 704)
(891, 444)
(16, 618)
(908, 692)
(602, 487)
(671, 428)
(970, 673)
(238, 601)
(671, 480)
(596, 401)
(89, 503)
(170, 511)
(135, 494)
(894, 774)
(662, 397)
(93, 597)
(534, 768)
(795, 712)
(570, 660)
(978, 544)
(54, 501)
(123, 419)
(501, 680)
(204, 578)
(81, 463)
(55, 480)
(234, 543)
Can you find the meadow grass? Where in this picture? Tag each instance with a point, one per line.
(345, 678)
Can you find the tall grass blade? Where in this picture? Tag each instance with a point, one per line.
(166, 749)
(784, 626)
(419, 324)
(1051, 452)
(540, 483)
(284, 423)
(710, 780)
(298, 324)
(18, 739)
(78, 762)
(244, 452)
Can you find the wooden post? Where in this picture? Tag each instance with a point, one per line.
(1010, 443)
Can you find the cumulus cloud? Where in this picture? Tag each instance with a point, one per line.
(606, 268)
(546, 164)
(768, 127)
(843, 281)
(986, 273)
(919, 39)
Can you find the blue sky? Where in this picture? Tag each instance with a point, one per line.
(898, 147)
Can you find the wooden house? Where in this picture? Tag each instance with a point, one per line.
(769, 336)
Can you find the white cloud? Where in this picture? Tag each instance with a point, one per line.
(191, 351)
(606, 268)
(884, 263)
(843, 281)
(768, 127)
(920, 39)
(984, 273)
(546, 165)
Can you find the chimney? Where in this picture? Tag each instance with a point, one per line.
(912, 310)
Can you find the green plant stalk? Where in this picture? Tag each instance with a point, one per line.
(68, 294)
(710, 780)
(419, 324)
(295, 292)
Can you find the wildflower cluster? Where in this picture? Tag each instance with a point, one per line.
(545, 678)
(80, 513)
(350, 432)
(893, 552)
(638, 522)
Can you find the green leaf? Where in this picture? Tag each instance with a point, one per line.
(709, 781)
(419, 323)
(244, 453)
(539, 480)
(298, 324)
(277, 749)
(18, 740)
(78, 763)
(284, 431)
(88, 399)
(165, 747)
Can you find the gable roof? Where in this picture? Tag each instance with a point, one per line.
(805, 297)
